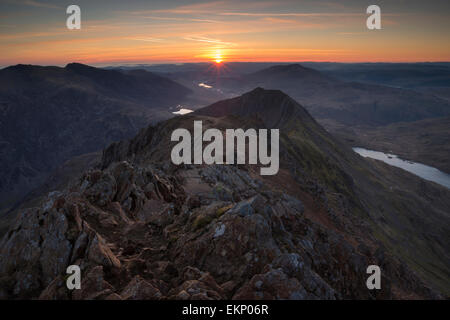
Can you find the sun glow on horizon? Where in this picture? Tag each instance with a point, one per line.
(218, 57)
(221, 32)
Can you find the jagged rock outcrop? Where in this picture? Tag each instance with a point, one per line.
(140, 235)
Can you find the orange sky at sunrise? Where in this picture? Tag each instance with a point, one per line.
(115, 32)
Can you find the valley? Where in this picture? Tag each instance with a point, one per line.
(419, 169)
(425, 141)
(51, 114)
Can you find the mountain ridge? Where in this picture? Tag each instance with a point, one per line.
(152, 230)
(348, 103)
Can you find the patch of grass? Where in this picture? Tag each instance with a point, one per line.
(222, 210)
(205, 218)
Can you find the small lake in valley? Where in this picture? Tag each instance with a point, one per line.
(419, 169)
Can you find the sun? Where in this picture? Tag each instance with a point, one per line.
(218, 57)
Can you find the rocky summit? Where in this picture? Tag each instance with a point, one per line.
(140, 227)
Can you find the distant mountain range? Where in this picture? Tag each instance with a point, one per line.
(51, 114)
(349, 103)
(335, 93)
(431, 77)
(143, 228)
(401, 75)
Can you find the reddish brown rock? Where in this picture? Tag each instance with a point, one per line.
(140, 289)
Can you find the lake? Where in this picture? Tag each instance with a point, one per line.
(183, 111)
(419, 169)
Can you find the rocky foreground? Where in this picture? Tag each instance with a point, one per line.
(141, 228)
(138, 233)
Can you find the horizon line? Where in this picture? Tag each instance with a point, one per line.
(106, 64)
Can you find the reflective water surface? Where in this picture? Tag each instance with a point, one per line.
(419, 169)
(183, 111)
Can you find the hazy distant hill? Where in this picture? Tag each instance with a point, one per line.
(332, 92)
(50, 114)
(404, 75)
(194, 75)
(350, 103)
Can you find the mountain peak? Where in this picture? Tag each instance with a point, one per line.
(293, 66)
(77, 65)
(82, 68)
(289, 68)
(260, 91)
(295, 70)
(22, 68)
(273, 107)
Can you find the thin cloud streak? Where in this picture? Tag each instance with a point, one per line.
(242, 30)
(36, 4)
(181, 19)
(209, 40)
(302, 14)
(292, 14)
(146, 39)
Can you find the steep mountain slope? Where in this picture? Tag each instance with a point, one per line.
(50, 114)
(349, 103)
(142, 228)
(394, 201)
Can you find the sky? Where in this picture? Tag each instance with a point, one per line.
(132, 32)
